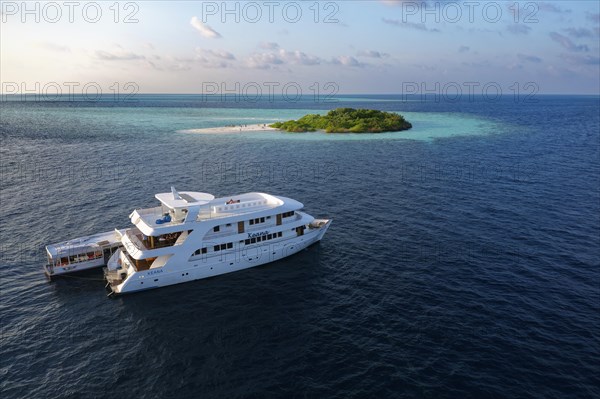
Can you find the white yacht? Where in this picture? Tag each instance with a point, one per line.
(81, 253)
(194, 235)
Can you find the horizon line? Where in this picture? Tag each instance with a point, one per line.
(281, 95)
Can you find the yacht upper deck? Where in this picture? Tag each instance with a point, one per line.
(177, 210)
(175, 199)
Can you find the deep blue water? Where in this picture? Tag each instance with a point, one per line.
(463, 261)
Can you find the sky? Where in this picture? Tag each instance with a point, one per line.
(325, 47)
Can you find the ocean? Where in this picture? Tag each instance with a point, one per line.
(463, 260)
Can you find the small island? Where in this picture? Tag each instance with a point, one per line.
(347, 120)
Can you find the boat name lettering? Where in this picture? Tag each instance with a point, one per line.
(254, 235)
(154, 272)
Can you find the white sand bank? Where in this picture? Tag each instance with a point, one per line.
(232, 129)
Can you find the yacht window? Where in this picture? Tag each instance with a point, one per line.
(262, 220)
(217, 248)
(200, 251)
(223, 246)
(229, 245)
(253, 241)
(247, 242)
(228, 224)
(216, 229)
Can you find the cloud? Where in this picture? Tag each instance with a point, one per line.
(118, 56)
(212, 58)
(263, 60)
(269, 45)
(372, 54)
(478, 64)
(421, 3)
(425, 67)
(464, 49)
(212, 63)
(593, 17)
(225, 55)
(529, 58)
(567, 43)
(579, 32)
(299, 57)
(529, 11)
(273, 59)
(582, 59)
(409, 25)
(54, 47)
(549, 7)
(392, 2)
(282, 57)
(518, 29)
(348, 61)
(205, 30)
(170, 64)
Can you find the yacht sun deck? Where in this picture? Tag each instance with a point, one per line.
(175, 212)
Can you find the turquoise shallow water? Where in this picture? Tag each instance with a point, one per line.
(427, 126)
(463, 261)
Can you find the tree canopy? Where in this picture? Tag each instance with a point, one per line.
(347, 120)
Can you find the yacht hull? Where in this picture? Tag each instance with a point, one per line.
(226, 262)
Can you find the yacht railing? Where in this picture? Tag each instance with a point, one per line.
(132, 234)
(210, 214)
(126, 261)
(150, 211)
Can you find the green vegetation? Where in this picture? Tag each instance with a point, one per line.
(347, 120)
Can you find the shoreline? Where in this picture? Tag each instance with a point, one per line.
(254, 128)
